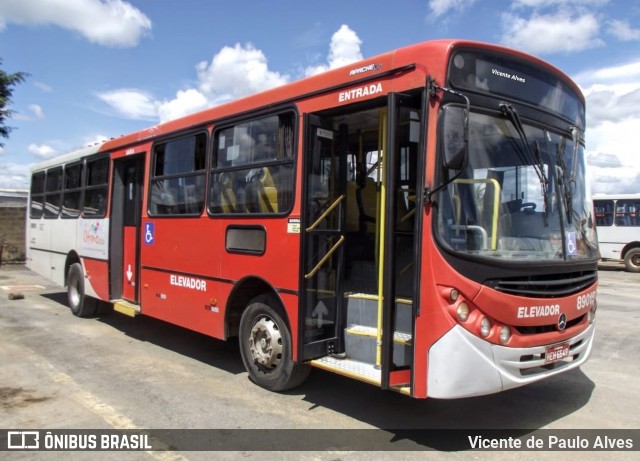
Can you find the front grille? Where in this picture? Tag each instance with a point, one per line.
(545, 286)
(534, 330)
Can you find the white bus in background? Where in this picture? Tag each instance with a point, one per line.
(618, 225)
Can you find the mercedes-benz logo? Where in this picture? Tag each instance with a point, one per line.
(562, 322)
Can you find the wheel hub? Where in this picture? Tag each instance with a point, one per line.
(265, 343)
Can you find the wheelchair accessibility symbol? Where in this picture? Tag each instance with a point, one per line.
(149, 234)
(572, 247)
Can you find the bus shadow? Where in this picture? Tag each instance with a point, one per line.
(220, 354)
(617, 266)
(446, 424)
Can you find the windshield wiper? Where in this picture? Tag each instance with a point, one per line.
(575, 136)
(532, 159)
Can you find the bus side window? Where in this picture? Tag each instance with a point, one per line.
(177, 182)
(96, 188)
(37, 195)
(604, 212)
(252, 170)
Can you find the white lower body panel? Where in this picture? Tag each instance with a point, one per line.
(463, 365)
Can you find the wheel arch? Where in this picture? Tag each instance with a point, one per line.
(627, 247)
(242, 293)
(72, 258)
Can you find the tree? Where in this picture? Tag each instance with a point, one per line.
(7, 82)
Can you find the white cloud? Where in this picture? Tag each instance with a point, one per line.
(623, 31)
(551, 33)
(232, 73)
(235, 72)
(623, 73)
(556, 3)
(37, 110)
(105, 22)
(185, 102)
(131, 103)
(42, 150)
(613, 96)
(14, 176)
(440, 7)
(344, 49)
(612, 103)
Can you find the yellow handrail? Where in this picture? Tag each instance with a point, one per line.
(326, 213)
(382, 210)
(496, 204)
(325, 258)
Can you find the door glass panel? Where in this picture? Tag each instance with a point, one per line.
(324, 239)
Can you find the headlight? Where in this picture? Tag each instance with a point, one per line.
(505, 334)
(463, 311)
(485, 327)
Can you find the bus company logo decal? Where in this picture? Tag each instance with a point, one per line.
(93, 234)
(538, 311)
(363, 69)
(360, 92)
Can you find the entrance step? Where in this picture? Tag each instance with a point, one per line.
(125, 307)
(365, 372)
(362, 309)
(361, 341)
(348, 367)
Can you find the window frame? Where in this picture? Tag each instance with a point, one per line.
(39, 194)
(290, 162)
(95, 187)
(153, 179)
(79, 190)
(58, 169)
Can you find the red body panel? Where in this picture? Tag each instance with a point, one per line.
(129, 266)
(96, 273)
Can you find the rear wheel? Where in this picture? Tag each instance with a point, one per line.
(81, 305)
(632, 260)
(266, 347)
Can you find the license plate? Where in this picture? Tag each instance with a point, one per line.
(556, 353)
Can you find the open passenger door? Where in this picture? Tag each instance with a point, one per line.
(323, 239)
(360, 250)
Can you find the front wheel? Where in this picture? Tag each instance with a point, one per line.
(266, 347)
(632, 260)
(81, 305)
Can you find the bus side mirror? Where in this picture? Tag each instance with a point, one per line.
(455, 140)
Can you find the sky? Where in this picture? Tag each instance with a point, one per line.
(100, 69)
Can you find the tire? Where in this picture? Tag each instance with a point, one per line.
(265, 346)
(632, 260)
(81, 305)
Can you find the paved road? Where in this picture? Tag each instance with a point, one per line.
(114, 372)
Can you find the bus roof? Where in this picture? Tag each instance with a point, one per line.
(427, 56)
(616, 196)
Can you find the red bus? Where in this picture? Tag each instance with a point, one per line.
(417, 220)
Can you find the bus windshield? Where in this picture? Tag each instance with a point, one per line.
(522, 194)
